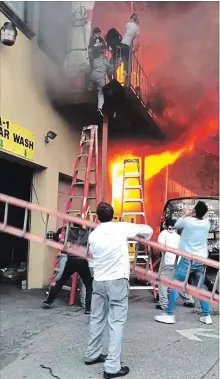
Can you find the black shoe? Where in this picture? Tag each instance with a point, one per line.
(158, 306)
(87, 312)
(46, 305)
(100, 359)
(189, 305)
(124, 371)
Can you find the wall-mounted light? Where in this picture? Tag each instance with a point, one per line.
(50, 135)
(8, 34)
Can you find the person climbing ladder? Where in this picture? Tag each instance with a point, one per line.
(101, 67)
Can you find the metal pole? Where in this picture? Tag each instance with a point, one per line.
(104, 157)
(166, 184)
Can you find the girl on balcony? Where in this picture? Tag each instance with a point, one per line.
(132, 31)
(113, 40)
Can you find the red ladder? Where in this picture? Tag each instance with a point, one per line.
(128, 177)
(81, 202)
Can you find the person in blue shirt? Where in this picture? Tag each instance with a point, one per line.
(193, 240)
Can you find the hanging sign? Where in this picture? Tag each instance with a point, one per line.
(17, 140)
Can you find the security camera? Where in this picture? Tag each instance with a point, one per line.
(50, 136)
(8, 34)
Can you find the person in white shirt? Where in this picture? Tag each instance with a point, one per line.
(109, 247)
(194, 240)
(171, 238)
(132, 30)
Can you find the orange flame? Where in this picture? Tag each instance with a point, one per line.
(153, 164)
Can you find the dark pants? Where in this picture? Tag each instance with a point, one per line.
(73, 265)
(125, 55)
(115, 61)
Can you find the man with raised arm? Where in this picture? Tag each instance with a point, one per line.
(109, 247)
(194, 240)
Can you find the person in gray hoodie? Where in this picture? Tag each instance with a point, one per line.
(101, 67)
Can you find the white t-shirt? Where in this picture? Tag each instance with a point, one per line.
(132, 30)
(109, 247)
(194, 236)
(172, 240)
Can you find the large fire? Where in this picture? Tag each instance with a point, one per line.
(183, 64)
(152, 163)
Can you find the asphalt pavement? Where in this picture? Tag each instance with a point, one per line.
(45, 344)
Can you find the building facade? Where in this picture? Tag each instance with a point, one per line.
(26, 118)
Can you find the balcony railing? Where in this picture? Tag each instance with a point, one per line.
(136, 80)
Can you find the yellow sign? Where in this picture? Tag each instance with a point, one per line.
(16, 140)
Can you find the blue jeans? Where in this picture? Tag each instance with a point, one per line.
(61, 266)
(181, 275)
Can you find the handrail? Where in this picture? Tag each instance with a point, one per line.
(146, 274)
(137, 79)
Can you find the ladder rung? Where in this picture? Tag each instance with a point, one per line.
(82, 155)
(73, 211)
(132, 187)
(90, 127)
(83, 168)
(132, 175)
(139, 256)
(133, 200)
(131, 160)
(133, 213)
(82, 184)
(81, 197)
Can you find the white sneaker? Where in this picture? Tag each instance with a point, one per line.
(100, 112)
(206, 320)
(165, 318)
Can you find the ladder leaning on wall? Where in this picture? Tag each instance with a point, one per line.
(132, 182)
(83, 194)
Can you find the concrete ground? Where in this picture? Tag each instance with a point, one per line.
(47, 344)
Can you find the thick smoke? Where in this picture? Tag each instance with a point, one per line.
(180, 56)
(178, 51)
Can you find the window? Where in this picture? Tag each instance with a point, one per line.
(18, 7)
(21, 13)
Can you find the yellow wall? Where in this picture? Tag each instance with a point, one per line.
(23, 102)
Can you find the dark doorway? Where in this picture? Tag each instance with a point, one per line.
(15, 181)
